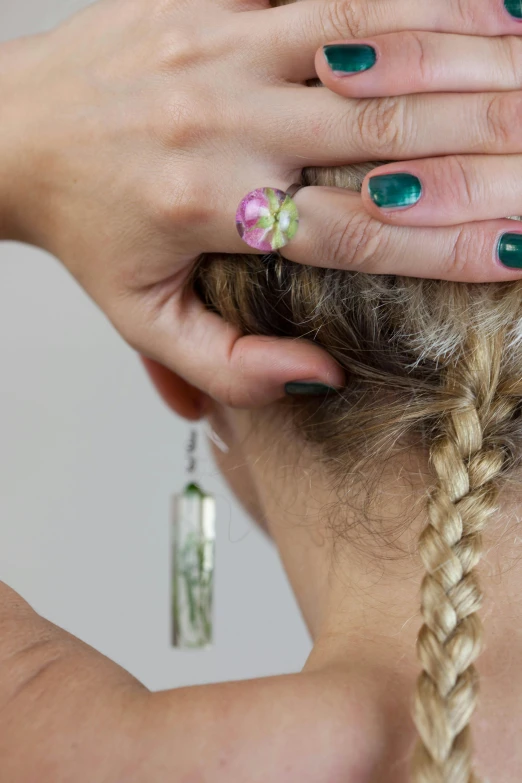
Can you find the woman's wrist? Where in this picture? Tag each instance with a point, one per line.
(18, 136)
(9, 147)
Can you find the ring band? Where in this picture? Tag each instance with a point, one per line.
(267, 218)
(294, 187)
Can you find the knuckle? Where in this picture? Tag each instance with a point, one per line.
(467, 250)
(472, 17)
(424, 63)
(512, 66)
(466, 14)
(503, 115)
(193, 45)
(452, 182)
(184, 121)
(342, 19)
(179, 51)
(380, 126)
(357, 243)
(184, 205)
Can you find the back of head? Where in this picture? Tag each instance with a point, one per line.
(430, 365)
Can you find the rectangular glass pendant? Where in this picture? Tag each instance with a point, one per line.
(193, 556)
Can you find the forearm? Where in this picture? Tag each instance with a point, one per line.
(19, 130)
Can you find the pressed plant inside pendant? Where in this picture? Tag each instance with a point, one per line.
(193, 558)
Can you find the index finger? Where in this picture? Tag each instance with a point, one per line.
(304, 27)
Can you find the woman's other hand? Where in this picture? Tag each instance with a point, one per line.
(456, 100)
(131, 132)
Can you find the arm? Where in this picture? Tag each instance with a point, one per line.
(69, 715)
(10, 149)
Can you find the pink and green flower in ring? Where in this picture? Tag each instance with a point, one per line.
(267, 219)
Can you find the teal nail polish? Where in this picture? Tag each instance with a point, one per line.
(349, 58)
(389, 191)
(309, 388)
(514, 7)
(510, 250)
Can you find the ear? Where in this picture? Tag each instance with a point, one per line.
(180, 396)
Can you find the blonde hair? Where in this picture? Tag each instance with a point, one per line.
(429, 363)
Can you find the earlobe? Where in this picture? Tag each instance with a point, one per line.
(180, 396)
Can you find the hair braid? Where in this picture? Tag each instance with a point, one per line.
(468, 458)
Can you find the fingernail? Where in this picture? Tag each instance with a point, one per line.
(349, 58)
(514, 7)
(311, 388)
(394, 190)
(510, 250)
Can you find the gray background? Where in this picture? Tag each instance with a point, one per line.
(89, 457)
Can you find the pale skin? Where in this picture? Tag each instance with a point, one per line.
(67, 713)
(359, 597)
(109, 146)
(125, 154)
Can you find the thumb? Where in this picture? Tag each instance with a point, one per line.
(236, 370)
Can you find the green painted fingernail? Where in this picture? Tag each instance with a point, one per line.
(310, 388)
(394, 190)
(510, 250)
(514, 7)
(349, 58)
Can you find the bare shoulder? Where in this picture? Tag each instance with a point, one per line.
(296, 728)
(80, 717)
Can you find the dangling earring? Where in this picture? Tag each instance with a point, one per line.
(193, 558)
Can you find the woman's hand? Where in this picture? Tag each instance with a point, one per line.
(131, 133)
(471, 88)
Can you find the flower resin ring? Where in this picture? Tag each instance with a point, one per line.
(267, 218)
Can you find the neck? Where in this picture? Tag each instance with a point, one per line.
(359, 595)
(352, 560)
